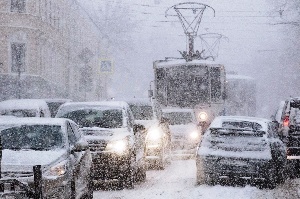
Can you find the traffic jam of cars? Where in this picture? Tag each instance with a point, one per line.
(114, 143)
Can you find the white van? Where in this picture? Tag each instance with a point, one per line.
(25, 108)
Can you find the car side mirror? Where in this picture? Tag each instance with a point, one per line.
(276, 124)
(150, 93)
(138, 128)
(80, 146)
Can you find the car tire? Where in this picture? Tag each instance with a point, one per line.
(141, 175)
(127, 178)
(270, 178)
(90, 186)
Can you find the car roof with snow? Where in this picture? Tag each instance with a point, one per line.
(72, 106)
(23, 104)
(218, 121)
(33, 121)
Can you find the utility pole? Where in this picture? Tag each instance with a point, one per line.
(190, 24)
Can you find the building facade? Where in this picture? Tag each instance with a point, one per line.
(49, 48)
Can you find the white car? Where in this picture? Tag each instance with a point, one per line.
(25, 108)
(56, 146)
(239, 148)
(118, 151)
(185, 132)
(157, 132)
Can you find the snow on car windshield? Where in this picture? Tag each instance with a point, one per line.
(20, 112)
(177, 118)
(89, 117)
(142, 112)
(36, 137)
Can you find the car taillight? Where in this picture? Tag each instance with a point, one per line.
(286, 121)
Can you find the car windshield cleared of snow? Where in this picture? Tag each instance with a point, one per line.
(112, 118)
(241, 125)
(177, 118)
(142, 112)
(20, 113)
(35, 137)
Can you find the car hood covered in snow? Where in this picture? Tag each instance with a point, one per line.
(24, 160)
(185, 129)
(95, 133)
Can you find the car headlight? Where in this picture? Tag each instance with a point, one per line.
(194, 135)
(154, 134)
(58, 170)
(203, 116)
(118, 146)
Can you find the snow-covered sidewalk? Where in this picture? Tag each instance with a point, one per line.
(177, 181)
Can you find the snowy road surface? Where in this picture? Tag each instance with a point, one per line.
(177, 181)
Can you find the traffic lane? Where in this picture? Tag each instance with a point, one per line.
(178, 181)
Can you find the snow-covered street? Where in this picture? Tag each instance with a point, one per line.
(178, 181)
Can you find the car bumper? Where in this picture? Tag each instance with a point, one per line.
(184, 147)
(233, 167)
(109, 166)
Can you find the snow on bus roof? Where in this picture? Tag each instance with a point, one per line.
(217, 122)
(228, 77)
(22, 104)
(166, 63)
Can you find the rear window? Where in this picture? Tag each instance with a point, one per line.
(19, 113)
(177, 118)
(142, 112)
(241, 125)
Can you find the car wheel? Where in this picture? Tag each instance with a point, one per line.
(141, 175)
(90, 189)
(127, 178)
(200, 178)
(270, 179)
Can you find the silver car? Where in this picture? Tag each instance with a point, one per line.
(241, 148)
(53, 144)
(118, 152)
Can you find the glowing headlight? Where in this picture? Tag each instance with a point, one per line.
(118, 146)
(203, 116)
(58, 170)
(154, 134)
(194, 135)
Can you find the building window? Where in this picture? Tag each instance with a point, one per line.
(17, 6)
(18, 57)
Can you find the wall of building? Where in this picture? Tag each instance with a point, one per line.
(59, 37)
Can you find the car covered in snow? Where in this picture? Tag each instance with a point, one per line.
(53, 144)
(55, 103)
(118, 152)
(288, 118)
(25, 108)
(185, 132)
(157, 133)
(239, 148)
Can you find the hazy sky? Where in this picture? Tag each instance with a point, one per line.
(254, 47)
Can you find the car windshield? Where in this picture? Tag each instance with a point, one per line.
(53, 107)
(142, 112)
(111, 118)
(177, 118)
(20, 112)
(36, 137)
